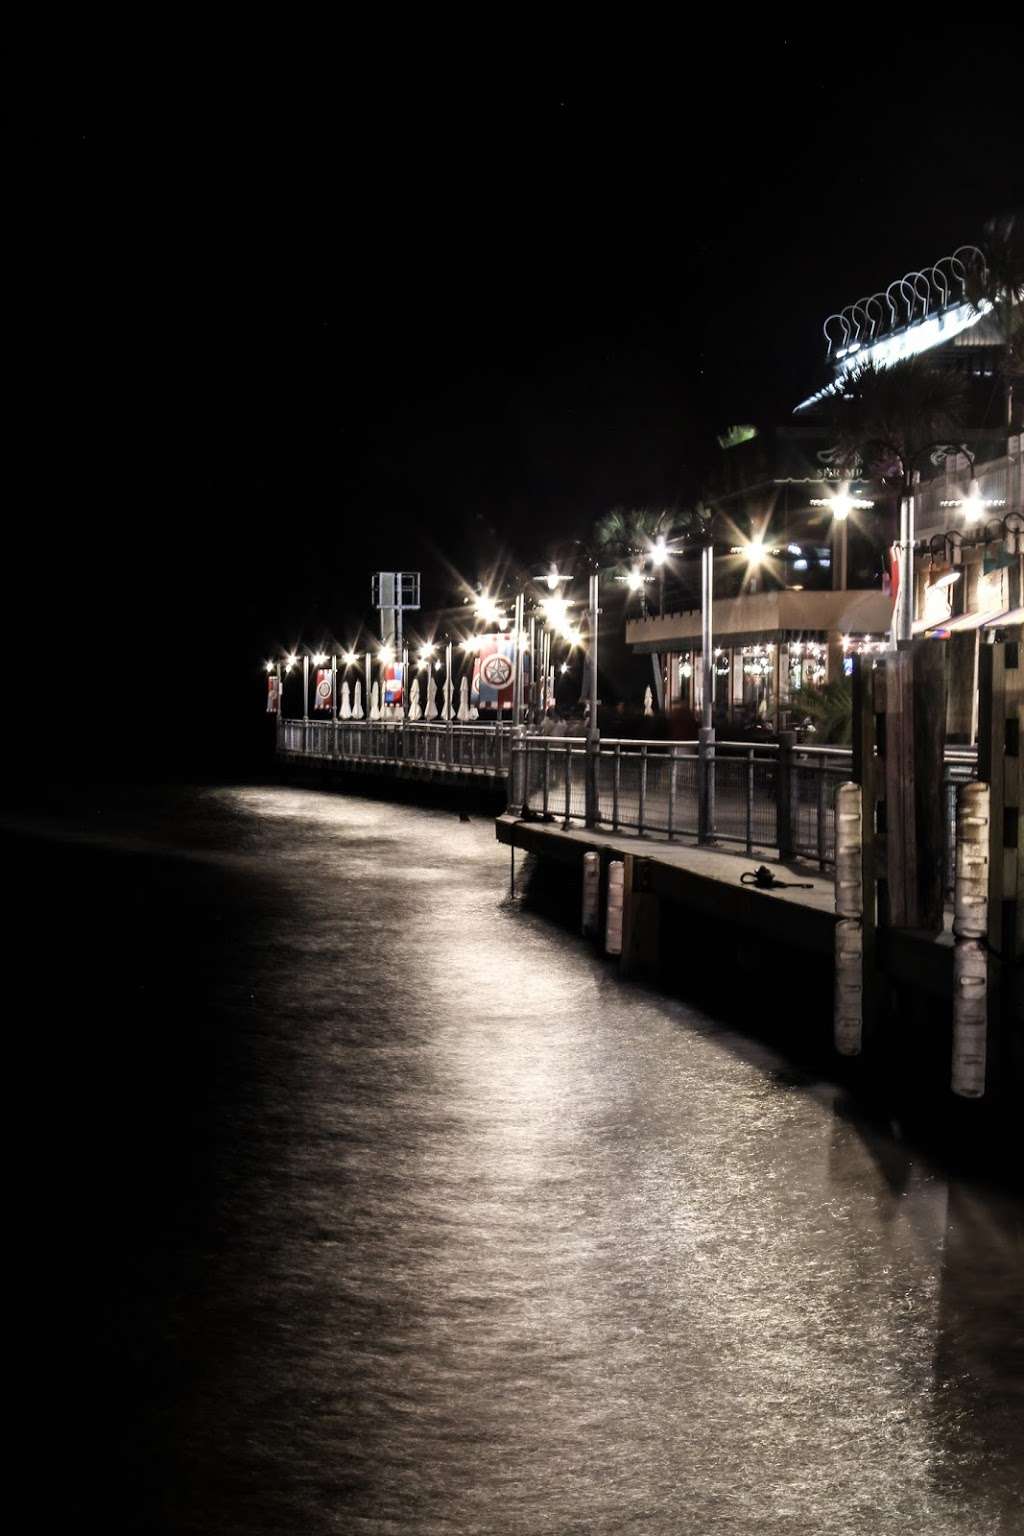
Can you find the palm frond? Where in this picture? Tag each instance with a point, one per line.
(829, 709)
(889, 416)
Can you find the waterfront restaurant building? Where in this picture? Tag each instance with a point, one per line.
(822, 587)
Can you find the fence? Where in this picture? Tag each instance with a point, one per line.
(462, 748)
(766, 796)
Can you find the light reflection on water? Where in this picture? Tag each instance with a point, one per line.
(508, 1246)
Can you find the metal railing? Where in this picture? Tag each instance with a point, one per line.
(765, 796)
(770, 796)
(479, 749)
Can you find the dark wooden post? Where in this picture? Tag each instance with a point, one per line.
(784, 794)
(640, 919)
(865, 773)
(915, 805)
(1001, 766)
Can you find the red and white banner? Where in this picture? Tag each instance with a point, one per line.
(393, 683)
(273, 695)
(493, 672)
(323, 692)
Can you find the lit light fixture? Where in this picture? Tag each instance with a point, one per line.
(487, 610)
(841, 504)
(319, 658)
(555, 611)
(755, 551)
(386, 655)
(659, 554)
(974, 505)
(947, 580)
(635, 580)
(553, 577)
(425, 653)
(270, 666)
(350, 658)
(564, 668)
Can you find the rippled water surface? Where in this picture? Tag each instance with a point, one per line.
(403, 1214)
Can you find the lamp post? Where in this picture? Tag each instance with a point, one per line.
(841, 505)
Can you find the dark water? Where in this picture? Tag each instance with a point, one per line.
(373, 1202)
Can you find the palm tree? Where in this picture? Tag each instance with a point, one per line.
(891, 421)
(624, 532)
(1000, 283)
(829, 709)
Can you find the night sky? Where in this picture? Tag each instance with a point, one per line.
(273, 332)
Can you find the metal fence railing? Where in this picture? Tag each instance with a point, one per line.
(477, 749)
(762, 796)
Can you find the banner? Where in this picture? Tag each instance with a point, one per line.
(393, 683)
(323, 692)
(494, 673)
(273, 695)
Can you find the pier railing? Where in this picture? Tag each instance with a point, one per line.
(767, 796)
(469, 749)
(770, 796)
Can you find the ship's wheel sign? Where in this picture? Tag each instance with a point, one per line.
(496, 671)
(324, 688)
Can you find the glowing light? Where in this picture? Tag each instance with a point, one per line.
(635, 580)
(755, 551)
(487, 610)
(556, 611)
(350, 658)
(270, 666)
(659, 554)
(571, 636)
(386, 655)
(553, 578)
(842, 503)
(564, 668)
(947, 580)
(425, 653)
(319, 659)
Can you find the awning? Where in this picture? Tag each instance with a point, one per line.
(987, 618)
(1005, 620)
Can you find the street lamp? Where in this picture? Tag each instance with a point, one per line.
(841, 504)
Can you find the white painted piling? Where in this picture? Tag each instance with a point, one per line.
(591, 891)
(848, 1018)
(970, 933)
(613, 920)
